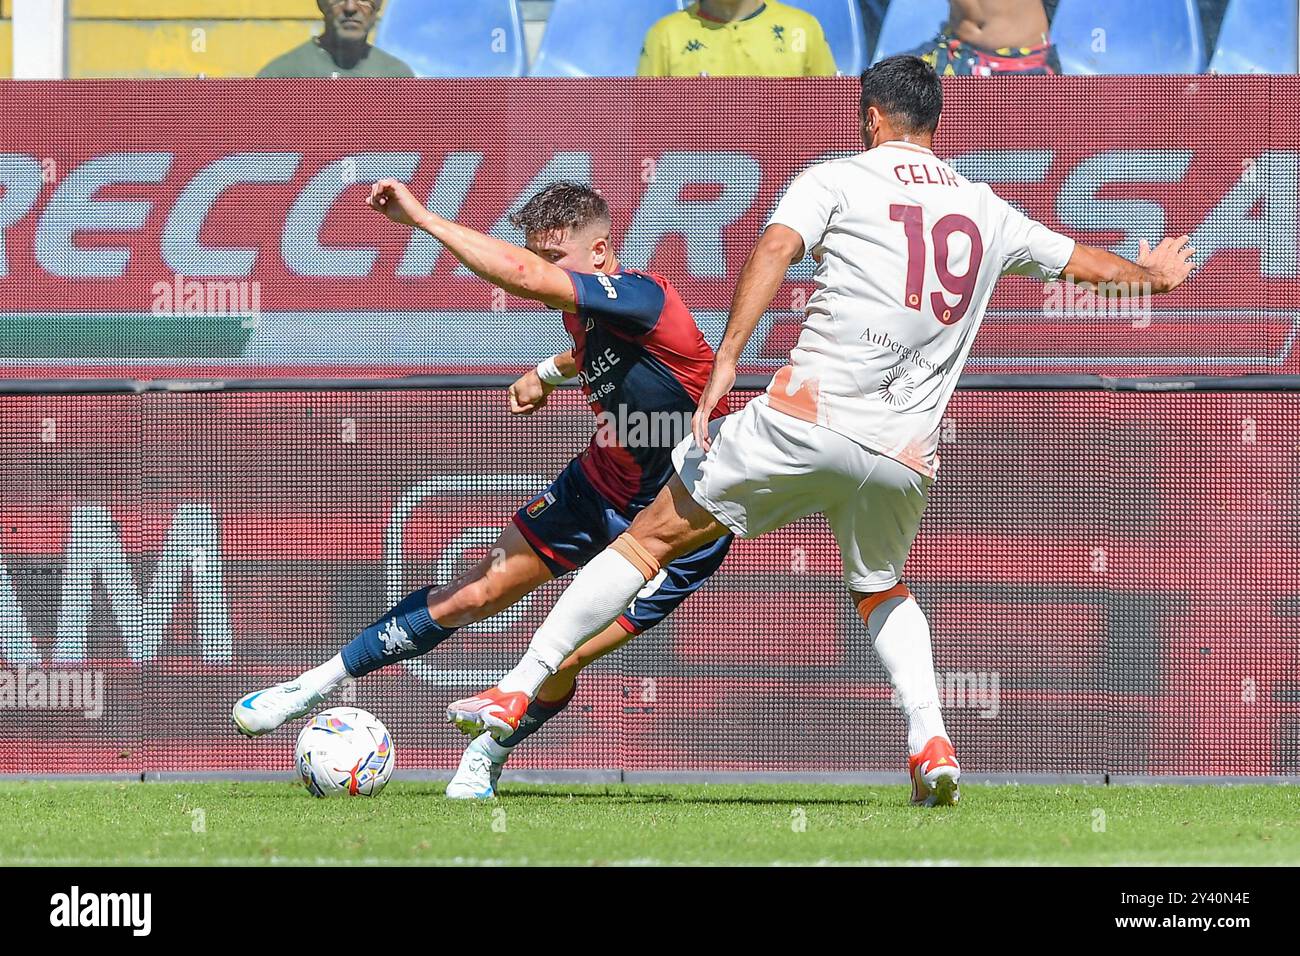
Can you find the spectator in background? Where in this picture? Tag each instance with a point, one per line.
(343, 49)
(984, 37)
(737, 38)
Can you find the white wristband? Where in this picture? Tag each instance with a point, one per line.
(550, 373)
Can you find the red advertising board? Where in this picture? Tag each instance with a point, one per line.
(1110, 576)
(193, 226)
(1111, 580)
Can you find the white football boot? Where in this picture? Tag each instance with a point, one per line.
(476, 777)
(263, 711)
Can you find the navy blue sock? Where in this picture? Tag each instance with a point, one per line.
(538, 713)
(406, 631)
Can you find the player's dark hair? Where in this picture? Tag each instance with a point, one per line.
(906, 90)
(562, 205)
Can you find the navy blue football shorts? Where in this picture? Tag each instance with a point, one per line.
(570, 523)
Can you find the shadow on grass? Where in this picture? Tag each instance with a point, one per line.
(607, 797)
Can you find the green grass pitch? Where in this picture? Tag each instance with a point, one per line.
(74, 824)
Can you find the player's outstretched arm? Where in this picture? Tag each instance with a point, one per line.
(516, 270)
(1161, 269)
(761, 276)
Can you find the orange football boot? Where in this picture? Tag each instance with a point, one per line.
(493, 710)
(934, 774)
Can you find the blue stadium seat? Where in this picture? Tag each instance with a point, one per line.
(583, 38)
(455, 37)
(1138, 36)
(841, 21)
(1257, 36)
(908, 24)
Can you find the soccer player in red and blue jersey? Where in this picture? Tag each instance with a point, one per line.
(642, 365)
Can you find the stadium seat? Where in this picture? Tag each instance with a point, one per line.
(908, 24)
(455, 37)
(841, 21)
(583, 39)
(1257, 36)
(1149, 36)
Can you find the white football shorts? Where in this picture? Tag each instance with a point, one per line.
(766, 469)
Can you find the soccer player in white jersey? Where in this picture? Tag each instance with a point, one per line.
(908, 252)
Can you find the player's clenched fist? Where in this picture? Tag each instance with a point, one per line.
(394, 200)
(528, 393)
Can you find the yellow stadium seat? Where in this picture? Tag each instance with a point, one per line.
(174, 38)
(211, 48)
(192, 9)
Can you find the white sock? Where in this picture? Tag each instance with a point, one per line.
(901, 637)
(598, 595)
(492, 747)
(529, 674)
(327, 677)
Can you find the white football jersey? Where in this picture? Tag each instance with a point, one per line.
(908, 253)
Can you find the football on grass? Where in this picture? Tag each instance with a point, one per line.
(345, 752)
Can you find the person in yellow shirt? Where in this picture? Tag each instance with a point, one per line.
(737, 38)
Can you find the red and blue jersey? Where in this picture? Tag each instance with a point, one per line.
(643, 364)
